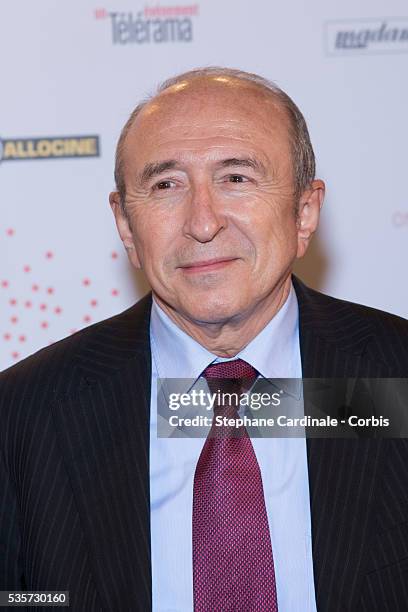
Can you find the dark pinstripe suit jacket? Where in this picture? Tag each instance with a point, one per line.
(74, 496)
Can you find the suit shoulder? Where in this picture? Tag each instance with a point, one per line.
(380, 336)
(61, 367)
(337, 308)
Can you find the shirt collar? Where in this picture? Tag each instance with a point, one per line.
(176, 354)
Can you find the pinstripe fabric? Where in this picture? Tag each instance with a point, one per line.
(74, 494)
(74, 444)
(355, 484)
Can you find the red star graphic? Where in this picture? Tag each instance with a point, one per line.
(100, 13)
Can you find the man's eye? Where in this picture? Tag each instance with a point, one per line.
(236, 178)
(164, 185)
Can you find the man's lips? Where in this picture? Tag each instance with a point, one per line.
(207, 265)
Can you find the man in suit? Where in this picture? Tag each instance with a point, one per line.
(216, 198)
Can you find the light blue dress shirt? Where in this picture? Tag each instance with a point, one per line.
(275, 353)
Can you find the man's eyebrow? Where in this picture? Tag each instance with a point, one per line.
(246, 162)
(155, 168)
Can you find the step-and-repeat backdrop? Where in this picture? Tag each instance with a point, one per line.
(71, 72)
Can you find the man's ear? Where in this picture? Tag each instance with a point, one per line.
(308, 216)
(124, 229)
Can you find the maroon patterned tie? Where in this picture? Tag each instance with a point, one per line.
(232, 553)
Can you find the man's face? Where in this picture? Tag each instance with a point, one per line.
(209, 196)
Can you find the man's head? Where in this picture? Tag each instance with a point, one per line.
(216, 194)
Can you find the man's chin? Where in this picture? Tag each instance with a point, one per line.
(212, 313)
(206, 307)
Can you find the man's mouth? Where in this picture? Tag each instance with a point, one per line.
(207, 265)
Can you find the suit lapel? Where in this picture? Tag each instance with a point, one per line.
(103, 428)
(342, 472)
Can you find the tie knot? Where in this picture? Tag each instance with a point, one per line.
(237, 370)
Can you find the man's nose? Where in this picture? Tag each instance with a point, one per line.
(203, 218)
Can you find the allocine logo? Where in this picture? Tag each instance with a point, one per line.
(387, 35)
(156, 24)
(46, 147)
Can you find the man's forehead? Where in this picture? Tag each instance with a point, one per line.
(211, 119)
(221, 96)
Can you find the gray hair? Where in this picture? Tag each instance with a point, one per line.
(302, 151)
